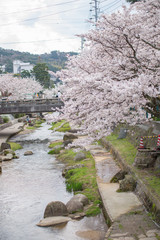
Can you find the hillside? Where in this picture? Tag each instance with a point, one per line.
(55, 60)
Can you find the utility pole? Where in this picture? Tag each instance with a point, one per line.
(94, 8)
(82, 43)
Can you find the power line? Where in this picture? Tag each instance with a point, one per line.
(45, 40)
(112, 3)
(31, 19)
(112, 10)
(33, 9)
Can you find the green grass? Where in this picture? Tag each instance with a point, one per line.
(124, 147)
(151, 178)
(30, 127)
(93, 211)
(54, 144)
(67, 156)
(154, 183)
(65, 128)
(56, 124)
(55, 151)
(38, 123)
(82, 180)
(15, 146)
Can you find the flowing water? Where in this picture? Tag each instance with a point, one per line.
(28, 184)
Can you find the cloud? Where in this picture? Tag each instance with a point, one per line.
(41, 26)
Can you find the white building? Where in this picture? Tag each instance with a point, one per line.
(19, 66)
(3, 68)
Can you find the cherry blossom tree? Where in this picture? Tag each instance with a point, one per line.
(107, 83)
(16, 88)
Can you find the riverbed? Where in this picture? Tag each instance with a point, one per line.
(28, 184)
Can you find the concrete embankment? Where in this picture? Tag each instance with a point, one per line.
(126, 214)
(9, 129)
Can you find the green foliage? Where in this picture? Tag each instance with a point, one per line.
(16, 75)
(15, 146)
(41, 74)
(55, 60)
(25, 74)
(5, 119)
(125, 148)
(19, 115)
(133, 1)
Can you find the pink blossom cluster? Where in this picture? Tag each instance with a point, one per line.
(106, 84)
(16, 88)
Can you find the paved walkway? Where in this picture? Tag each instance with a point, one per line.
(129, 220)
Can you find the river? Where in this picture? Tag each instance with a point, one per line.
(28, 184)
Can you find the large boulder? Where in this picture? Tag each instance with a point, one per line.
(127, 184)
(55, 208)
(74, 205)
(28, 153)
(6, 151)
(79, 156)
(69, 136)
(51, 221)
(81, 198)
(67, 142)
(5, 145)
(8, 157)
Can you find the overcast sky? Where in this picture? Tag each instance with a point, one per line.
(41, 26)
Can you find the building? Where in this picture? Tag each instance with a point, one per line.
(3, 68)
(19, 66)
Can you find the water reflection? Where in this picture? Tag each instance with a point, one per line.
(27, 185)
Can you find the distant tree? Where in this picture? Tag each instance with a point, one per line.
(25, 74)
(133, 1)
(9, 66)
(41, 74)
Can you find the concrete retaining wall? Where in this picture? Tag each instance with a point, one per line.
(12, 122)
(150, 201)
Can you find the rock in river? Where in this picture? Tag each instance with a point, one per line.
(51, 221)
(28, 153)
(55, 208)
(81, 198)
(74, 205)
